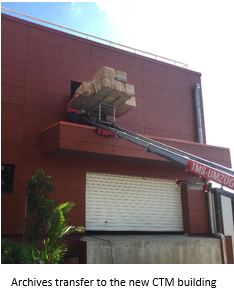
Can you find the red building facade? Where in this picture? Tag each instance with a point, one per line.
(38, 65)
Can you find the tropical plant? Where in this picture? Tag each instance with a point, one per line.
(53, 248)
(46, 223)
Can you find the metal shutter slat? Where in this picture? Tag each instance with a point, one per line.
(129, 203)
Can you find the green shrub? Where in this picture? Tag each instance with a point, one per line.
(46, 222)
(39, 206)
(15, 253)
(46, 225)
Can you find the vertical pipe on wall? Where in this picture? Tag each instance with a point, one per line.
(198, 112)
(213, 225)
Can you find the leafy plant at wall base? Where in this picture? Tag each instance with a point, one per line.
(38, 206)
(46, 223)
(15, 253)
(53, 248)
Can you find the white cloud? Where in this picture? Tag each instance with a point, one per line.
(75, 8)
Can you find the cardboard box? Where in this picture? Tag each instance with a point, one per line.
(86, 88)
(104, 72)
(121, 76)
(130, 89)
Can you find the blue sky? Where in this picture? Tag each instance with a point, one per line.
(83, 16)
(196, 32)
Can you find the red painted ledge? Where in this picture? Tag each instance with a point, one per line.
(82, 138)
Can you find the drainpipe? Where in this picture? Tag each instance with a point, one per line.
(198, 112)
(223, 246)
(213, 226)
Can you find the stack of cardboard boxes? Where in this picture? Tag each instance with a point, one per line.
(108, 87)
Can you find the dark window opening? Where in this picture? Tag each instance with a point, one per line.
(7, 179)
(74, 87)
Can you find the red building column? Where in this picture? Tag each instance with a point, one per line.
(195, 210)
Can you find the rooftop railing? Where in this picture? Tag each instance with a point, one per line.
(95, 38)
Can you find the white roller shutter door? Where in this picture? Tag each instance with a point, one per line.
(129, 203)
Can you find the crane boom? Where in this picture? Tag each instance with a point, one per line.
(196, 165)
